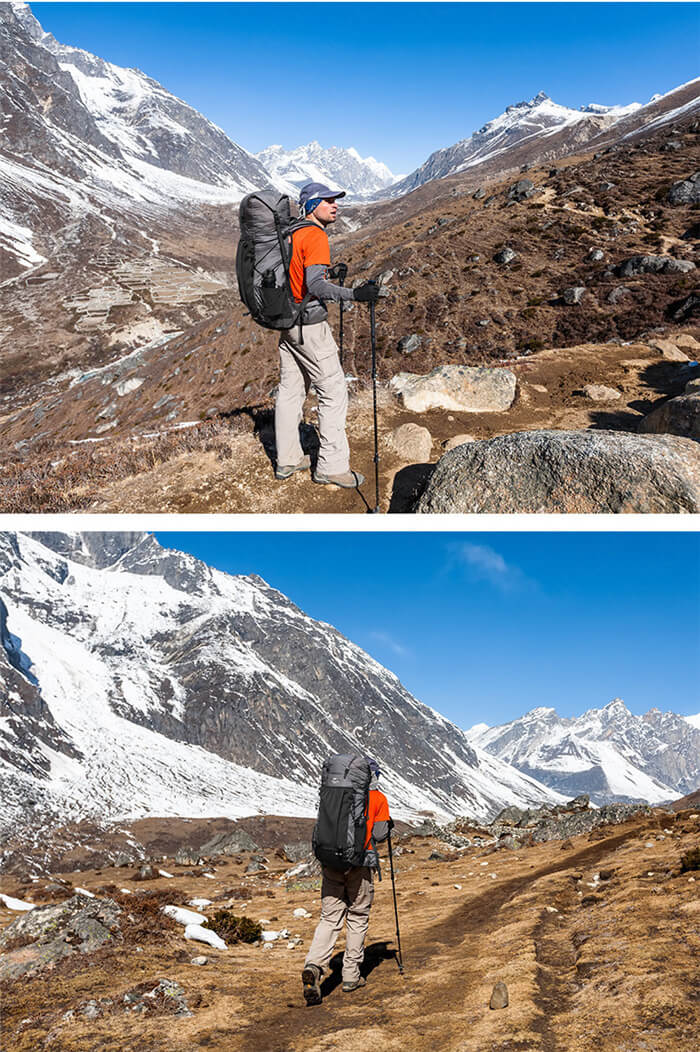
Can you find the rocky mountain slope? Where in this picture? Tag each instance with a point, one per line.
(337, 167)
(161, 686)
(609, 753)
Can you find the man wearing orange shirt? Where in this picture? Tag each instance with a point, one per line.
(347, 896)
(308, 352)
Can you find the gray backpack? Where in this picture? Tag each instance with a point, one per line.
(340, 832)
(263, 257)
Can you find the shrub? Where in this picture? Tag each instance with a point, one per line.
(690, 860)
(232, 928)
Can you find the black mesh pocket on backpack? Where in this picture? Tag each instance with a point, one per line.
(274, 306)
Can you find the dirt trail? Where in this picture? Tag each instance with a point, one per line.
(419, 1006)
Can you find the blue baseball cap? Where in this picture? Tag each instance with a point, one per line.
(316, 192)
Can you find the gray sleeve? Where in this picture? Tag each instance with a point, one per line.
(380, 831)
(319, 286)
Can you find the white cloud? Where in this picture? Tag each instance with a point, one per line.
(390, 642)
(489, 565)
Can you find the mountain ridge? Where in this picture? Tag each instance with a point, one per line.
(608, 752)
(181, 687)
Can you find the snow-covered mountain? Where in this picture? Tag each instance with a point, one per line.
(335, 166)
(538, 130)
(137, 680)
(609, 753)
(77, 130)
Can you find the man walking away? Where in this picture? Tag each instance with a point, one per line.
(347, 896)
(309, 354)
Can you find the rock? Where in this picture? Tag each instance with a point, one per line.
(477, 196)
(567, 471)
(672, 146)
(678, 416)
(685, 340)
(411, 442)
(297, 851)
(78, 925)
(199, 961)
(187, 856)
(686, 308)
(510, 815)
(456, 387)
(145, 872)
(579, 803)
(601, 393)
(685, 192)
(458, 440)
(409, 344)
(607, 186)
(506, 255)
(310, 868)
(573, 295)
(693, 386)
(669, 350)
(255, 867)
(228, 844)
(596, 255)
(636, 265)
(300, 912)
(499, 997)
(521, 190)
(618, 293)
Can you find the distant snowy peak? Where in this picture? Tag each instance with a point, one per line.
(342, 169)
(608, 752)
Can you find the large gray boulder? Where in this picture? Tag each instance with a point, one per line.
(50, 933)
(460, 388)
(678, 416)
(636, 265)
(685, 192)
(567, 471)
(228, 844)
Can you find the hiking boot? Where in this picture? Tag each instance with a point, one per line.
(285, 471)
(348, 480)
(311, 978)
(349, 987)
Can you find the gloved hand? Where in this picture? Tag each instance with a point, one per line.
(339, 272)
(367, 293)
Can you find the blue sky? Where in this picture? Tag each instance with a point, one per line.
(484, 627)
(395, 80)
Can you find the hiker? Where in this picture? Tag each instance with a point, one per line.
(346, 895)
(308, 352)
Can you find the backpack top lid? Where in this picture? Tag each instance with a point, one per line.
(346, 771)
(257, 213)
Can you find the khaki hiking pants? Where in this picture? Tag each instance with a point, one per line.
(313, 363)
(344, 897)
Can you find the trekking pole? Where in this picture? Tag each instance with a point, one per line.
(341, 277)
(399, 958)
(373, 337)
